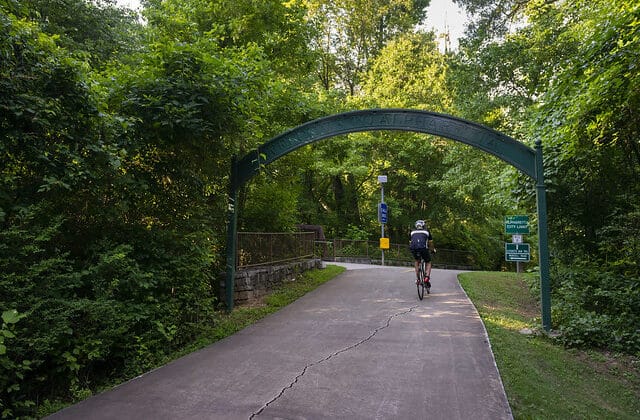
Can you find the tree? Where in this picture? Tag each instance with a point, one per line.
(277, 27)
(112, 198)
(577, 91)
(588, 116)
(351, 33)
(97, 28)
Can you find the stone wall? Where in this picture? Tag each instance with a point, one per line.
(253, 283)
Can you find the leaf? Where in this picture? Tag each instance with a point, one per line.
(11, 316)
(7, 334)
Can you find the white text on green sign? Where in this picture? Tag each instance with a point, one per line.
(518, 224)
(517, 252)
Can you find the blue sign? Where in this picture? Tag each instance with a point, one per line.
(382, 212)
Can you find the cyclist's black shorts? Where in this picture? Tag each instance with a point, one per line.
(422, 252)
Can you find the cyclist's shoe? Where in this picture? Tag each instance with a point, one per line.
(427, 284)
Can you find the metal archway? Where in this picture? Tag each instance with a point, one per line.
(523, 158)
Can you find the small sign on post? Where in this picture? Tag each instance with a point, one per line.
(518, 224)
(517, 252)
(384, 243)
(383, 212)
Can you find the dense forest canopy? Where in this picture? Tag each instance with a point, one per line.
(117, 130)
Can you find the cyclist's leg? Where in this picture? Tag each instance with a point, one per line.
(427, 258)
(416, 258)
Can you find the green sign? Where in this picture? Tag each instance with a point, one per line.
(516, 224)
(517, 252)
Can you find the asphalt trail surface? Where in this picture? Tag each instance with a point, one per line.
(362, 346)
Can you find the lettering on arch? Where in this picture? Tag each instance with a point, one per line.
(484, 138)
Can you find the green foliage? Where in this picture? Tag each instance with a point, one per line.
(350, 34)
(277, 27)
(598, 309)
(356, 233)
(117, 138)
(13, 371)
(270, 205)
(409, 72)
(619, 243)
(594, 160)
(587, 117)
(116, 314)
(566, 75)
(96, 29)
(107, 283)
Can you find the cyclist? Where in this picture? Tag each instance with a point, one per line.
(420, 246)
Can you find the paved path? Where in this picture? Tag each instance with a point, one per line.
(359, 347)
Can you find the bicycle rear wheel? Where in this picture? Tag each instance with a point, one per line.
(420, 282)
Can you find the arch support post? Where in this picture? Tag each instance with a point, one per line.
(543, 244)
(232, 237)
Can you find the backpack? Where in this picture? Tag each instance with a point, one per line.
(419, 239)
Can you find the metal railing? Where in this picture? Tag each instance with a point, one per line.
(396, 254)
(261, 248)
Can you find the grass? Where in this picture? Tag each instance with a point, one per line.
(542, 379)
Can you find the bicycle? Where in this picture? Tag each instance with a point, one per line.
(422, 283)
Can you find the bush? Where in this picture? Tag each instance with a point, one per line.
(85, 320)
(598, 308)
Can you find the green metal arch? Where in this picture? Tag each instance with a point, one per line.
(522, 157)
(473, 134)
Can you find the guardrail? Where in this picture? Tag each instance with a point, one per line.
(397, 254)
(261, 248)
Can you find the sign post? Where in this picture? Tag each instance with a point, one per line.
(382, 215)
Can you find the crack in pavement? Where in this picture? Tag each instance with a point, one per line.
(307, 367)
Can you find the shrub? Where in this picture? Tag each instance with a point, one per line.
(114, 311)
(598, 308)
